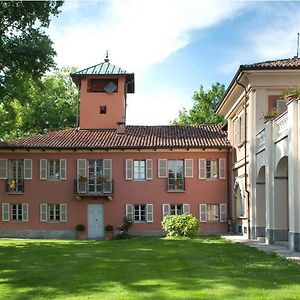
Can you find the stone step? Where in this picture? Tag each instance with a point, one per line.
(261, 239)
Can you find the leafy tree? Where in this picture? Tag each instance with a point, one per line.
(203, 110)
(25, 50)
(51, 103)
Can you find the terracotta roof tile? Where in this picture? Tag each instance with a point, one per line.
(135, 137)
(287, 63)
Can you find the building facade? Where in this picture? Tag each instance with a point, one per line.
(263, 128)
(104, 169)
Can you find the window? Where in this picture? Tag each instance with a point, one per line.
(213, 213)
(175, 175)
(277, 103)
(102, 110)
(15, 182)
(53, 169)
(139, 169)
(176, 209)
(15, 212)
(53, 212)
(212, 168)
(140, 213)
(102, 85)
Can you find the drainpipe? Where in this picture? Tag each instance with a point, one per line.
(245, 155)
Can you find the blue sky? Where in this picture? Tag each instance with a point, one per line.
(173, 46)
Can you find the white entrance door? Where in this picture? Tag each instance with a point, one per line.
(95, 221)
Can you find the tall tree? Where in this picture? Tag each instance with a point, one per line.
(52, 103)
(203, 110)
(25, 50)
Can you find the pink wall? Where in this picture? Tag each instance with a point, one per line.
(90, 117)
(210, 191)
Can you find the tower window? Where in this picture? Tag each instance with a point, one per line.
(102, 110)
(102, 85)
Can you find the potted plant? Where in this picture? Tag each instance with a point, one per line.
(109, 232)
(82, 178)
(80, 232)
(102, 179)
(272, 114)
(291, 94)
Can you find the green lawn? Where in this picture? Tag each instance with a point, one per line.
(143, 268)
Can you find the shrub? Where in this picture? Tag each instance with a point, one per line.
(109, 228)
(126, 225)
(181, 225)
(122, 236)
(80, 227)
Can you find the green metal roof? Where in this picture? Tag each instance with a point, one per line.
(105, 68)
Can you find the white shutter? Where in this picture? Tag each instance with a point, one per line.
(222, 168)
(149, 172)
(202, 212)
(202, 168)
(107, 168)
(236, 126)
(27, 168)
(43, 169)
(129, 169)
(43, 212)
(223, 213)
(129, 211)
(81, 172)
(24, 211)
(5, 212)
(63, 169)
(149, 212)
(63, 212)
(186, 209)
(188, 168)
(162, 168)
(166, 210)
(3, 168)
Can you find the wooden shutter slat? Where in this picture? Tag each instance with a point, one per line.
(149, 213)
(203, 212)
(202, 168)
(129, 169)
(129, 211)
(188, 168)
(43, 212)
(25, 212)
(222, 168)
(5, 212)
(166, 210)
(27, 168)
(43, 169)
(149, 171)
(63, 169)
(3, 168)
(162, 168)
(81, 173)
(223, 213)
(63, 212)
(186, 209)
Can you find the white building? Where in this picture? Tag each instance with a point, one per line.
(265, 177)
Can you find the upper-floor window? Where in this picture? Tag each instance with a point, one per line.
(212, 168)
(53, 169)
(175, 175)
(277, 103)
(96, 85)
(139, 169)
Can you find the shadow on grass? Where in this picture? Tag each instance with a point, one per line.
(149, 268)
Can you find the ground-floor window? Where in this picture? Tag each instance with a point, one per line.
(213, 213)
(14, 212)
(176, 209)
(140, 212)
(53, 212)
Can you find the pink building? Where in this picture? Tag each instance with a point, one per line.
(102, 170)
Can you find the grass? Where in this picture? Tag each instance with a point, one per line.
(143, 268)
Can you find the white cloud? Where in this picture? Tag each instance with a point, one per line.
(157, 108)
(138, 33)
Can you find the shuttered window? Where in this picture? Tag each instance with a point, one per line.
(129, 211)
(186, 209)
(149, 171)
(222, 168)
(202, 168)
(166, 210)
(43, 169)
(149, 213)
(5, 212)
(223, 213)
(129, 169)
(63, 169)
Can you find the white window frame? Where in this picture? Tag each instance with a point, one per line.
(137, 209)
(217, 209)
(139, 177)
(176, 209)
(54, 167)
(208, 162)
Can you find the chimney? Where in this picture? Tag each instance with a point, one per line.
(121, 128)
